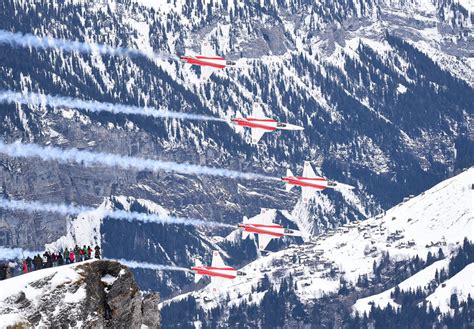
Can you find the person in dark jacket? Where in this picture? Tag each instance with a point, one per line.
(49, 260)
(66, 256)
(77, 254)
(54, 259)
(60, 259)
(38, 262)
(89, 252)
(3, 271)
(29, 264)
(97, 252)
(82, 254)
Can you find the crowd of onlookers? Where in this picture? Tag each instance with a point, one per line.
(51, 259)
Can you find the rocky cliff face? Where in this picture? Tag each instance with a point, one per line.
(93, 294)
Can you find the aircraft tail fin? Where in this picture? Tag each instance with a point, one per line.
(288, 187)
(197, 263)
(217, 260)
(197, 277)
(308, 170)
(257, 111)
(245, 234)
(207, 50)
(257, 219)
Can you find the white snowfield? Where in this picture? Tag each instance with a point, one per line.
(37, 285)
(420, 279)
(462, 284)
(438, 218)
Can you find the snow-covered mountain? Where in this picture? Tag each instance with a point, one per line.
(94, 293)
(349, 258)
(383, 88)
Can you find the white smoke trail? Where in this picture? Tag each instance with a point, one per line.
(16, 253)
(65, 209)
(29, 40)
(89, 159)
(134, 264)
(7, 96)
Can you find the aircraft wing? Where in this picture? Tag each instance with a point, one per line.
(264, 217)
(256, 135)
(263, 241)
(257, 111)
(217, 281)
(308, 193)
(206, 72)
(308, 170)
(217, 260)
(197, 277)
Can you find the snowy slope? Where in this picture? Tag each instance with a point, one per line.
(438, 218)
(34, 292)
(420, 279)
(462, 284)
(96, 292)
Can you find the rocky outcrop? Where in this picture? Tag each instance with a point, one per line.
(113, 293)
(94, 294)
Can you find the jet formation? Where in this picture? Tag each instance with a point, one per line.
(259, 124)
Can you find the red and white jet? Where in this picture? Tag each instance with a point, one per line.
(310, 182)
(265, 229)
(217, 271)
(208, 61)
(259, 125)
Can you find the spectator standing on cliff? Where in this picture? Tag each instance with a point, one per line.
(89, 252)
(3, 271)
(82, 254)
(97, 252)
(38, 261)
(60, 259)
(71, 257)
(49, 259)
(45, 259)
(29, 264)
(77, 254)
(66, 256)
(54, 259)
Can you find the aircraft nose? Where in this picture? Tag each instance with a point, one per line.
(294, 127)
(298, 127)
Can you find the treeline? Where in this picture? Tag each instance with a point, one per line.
(415, 311)
(413, 315)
